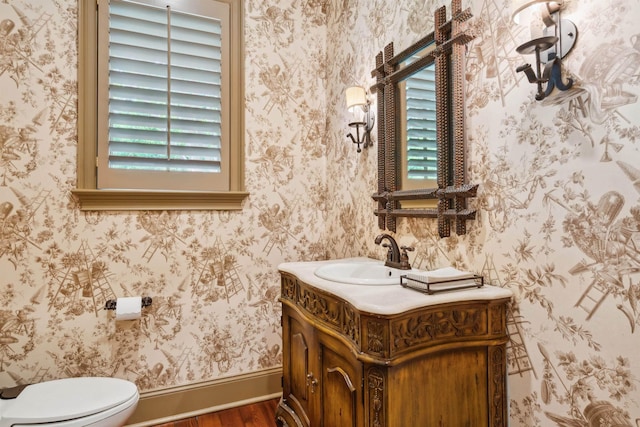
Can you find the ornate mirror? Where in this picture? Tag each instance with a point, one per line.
(421, 148)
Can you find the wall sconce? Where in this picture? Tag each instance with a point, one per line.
(357, 97)
(554, 42)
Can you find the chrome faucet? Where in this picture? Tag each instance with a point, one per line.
(395, 258)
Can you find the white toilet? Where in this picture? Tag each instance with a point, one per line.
(71, 402)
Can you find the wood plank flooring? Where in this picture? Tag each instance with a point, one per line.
(261, 414)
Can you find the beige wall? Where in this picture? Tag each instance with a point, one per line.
(558, 209)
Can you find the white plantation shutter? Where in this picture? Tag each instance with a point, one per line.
(165, 88)
(422, 153)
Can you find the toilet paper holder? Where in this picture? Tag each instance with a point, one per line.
(111, 303)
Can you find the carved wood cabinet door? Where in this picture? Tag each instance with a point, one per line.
(322, 381)
(300, 367)
(341, 381)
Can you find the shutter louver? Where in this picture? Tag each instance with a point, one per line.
(164, 90)
(422, 153)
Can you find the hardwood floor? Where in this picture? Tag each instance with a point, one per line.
(261, 414)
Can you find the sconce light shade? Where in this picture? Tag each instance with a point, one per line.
(356, 96)
(522, 12)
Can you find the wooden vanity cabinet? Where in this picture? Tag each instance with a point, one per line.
(439, 365)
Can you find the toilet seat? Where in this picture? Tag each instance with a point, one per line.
(54, 402)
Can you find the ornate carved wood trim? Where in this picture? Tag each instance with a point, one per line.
(335, 313)
(384, 338)
(377, 337)
(497, 383)
(437, 326)
(497, 320)
(376, 393)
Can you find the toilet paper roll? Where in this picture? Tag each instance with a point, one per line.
(128, 308)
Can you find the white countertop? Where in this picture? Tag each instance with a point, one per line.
(389, 299)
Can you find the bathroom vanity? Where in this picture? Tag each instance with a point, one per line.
(387, 356)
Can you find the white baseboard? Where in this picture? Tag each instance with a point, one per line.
(168, 405)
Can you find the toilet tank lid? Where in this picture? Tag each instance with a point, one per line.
(67, 398)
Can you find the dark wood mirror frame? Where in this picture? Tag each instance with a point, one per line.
(452, 192)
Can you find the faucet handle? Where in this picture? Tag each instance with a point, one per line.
(389, 251)
(404, 257)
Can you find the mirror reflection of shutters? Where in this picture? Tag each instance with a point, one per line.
(422, 148)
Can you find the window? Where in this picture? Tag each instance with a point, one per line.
(161, 103)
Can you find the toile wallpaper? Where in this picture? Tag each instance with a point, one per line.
(558, 222)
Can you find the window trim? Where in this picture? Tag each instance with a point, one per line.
(87, 193)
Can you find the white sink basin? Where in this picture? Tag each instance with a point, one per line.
(360, 273)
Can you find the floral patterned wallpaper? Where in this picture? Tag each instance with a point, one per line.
(558, 223)
(559, 205)
(212, 275)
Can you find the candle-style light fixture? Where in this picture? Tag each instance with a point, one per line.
(550, 44)
(357, 97)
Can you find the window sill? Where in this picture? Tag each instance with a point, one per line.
(131, 200)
